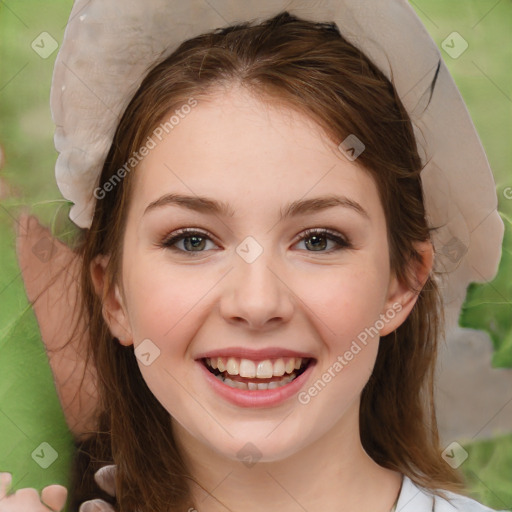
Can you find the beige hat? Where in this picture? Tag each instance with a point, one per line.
(109, 45)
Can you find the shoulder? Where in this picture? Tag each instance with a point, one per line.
(414, 498)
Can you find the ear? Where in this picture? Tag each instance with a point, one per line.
(400, 297)
(114, 310)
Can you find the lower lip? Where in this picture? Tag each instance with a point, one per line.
(256, 398)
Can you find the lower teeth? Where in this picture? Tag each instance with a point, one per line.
(256, 386)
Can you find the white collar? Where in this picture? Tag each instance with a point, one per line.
(414, 498)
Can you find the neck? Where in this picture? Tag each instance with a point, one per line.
(332, 474)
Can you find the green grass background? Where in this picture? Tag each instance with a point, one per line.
(29, 409)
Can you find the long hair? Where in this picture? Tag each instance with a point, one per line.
(311, 68)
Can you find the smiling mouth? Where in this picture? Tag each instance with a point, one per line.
(250, 375)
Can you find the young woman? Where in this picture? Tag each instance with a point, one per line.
(259, 288)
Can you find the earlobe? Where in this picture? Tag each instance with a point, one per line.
(114, 311)
(401, 298)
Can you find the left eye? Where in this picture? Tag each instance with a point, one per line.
(320, 238)
(195, 241)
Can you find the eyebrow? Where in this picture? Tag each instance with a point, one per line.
(212, 206)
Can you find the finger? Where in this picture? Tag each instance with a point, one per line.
(54, 497)
(5, 484)
(106, 478)
(96, 506)
(28, 234)
(27, 497)
(22, 225)
(28, 228)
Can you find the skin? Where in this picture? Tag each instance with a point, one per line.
(289, 297)
(53, 497)
(51, 285)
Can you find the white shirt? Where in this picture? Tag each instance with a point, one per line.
(414, 498)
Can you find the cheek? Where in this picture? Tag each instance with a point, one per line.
(163, 302)
(163, 306)
(345, 300)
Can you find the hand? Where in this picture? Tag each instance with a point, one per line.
(50, 271)
(105, 478)
(53, 497)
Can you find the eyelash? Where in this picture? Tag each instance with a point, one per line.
(169, 241)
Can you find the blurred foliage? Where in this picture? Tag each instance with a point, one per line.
(488, 306)
(30, 412)
(488, 471)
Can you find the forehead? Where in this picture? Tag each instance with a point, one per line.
(242, 150)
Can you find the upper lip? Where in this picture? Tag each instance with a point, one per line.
(255, 354)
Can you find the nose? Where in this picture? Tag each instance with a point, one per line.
(256, 293)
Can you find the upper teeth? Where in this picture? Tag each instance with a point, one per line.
(265, 369)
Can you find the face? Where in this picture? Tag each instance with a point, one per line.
(249, 284)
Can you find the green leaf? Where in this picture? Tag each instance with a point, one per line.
(35, 443)
(488, 306)
(487, 471)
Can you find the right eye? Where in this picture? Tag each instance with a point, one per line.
(193, 240)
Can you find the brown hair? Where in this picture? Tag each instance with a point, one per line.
(309, 67)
